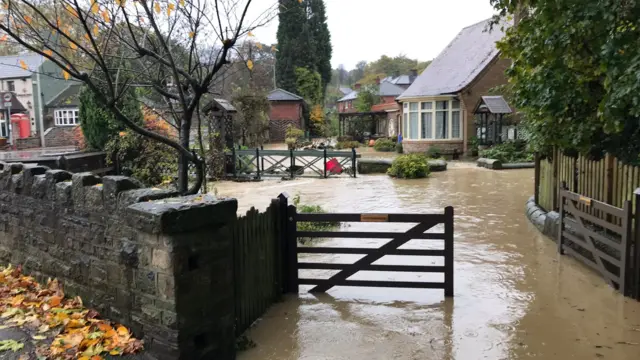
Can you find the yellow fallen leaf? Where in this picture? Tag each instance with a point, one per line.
(192, 34)
(47, 52)
(65, 74)
(96, 30)
(23, 65)
(181, 2)
(86, 36)
(123, 331)
(95, 7)
(250, 64)
(156, 7)
(55, 301)
(39, 337)
(28, 19)
(44, 328)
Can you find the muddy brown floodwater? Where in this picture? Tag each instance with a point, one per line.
(515, 297)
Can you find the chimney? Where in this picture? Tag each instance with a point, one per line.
(357, 86)
(378, 80)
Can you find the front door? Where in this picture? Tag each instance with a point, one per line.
(4, 127)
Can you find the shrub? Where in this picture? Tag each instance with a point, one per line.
(145, 159)
(312, 226)
(344, 138)
(293, 137)
(411, 166)
(384, 145)
(434, 152)
(509, 152)
(347, 145)
(399, 148)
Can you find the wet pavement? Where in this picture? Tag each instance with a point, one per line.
(515, 297)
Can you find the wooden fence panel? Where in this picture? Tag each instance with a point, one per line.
(257, 272)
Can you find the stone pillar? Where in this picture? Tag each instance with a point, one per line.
(184, 277)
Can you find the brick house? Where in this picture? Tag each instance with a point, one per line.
(286, 109)
(438, 108)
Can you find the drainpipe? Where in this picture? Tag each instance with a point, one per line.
(40, 112)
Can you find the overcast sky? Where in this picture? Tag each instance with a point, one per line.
(367, 29)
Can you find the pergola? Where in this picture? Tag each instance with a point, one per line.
(221, 114)
(489, 114)
(357, 124)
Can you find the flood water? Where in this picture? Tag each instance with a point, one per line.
(515, 297)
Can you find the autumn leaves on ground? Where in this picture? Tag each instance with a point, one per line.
(60, 328)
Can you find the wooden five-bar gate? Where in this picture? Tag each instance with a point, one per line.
(423, 223)
(600, 236)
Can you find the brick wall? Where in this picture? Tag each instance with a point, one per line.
(421, 146)
(492, 76)
(28, 143)
(59, 136)
(285, 110)
(163, 268)
(278, 128)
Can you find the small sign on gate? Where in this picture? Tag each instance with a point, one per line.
(374, 218)
(585, 200)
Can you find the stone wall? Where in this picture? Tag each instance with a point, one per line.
(28, 143)
(156, 263)
(59, 136)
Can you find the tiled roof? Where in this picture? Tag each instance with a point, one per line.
(10, 65)
(459, 63)
(496, 104)
(390, 89)
(68, 97)
(386, 107)
(283, 95)
(350, 96)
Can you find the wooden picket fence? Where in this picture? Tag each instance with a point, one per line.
(257, 264)
(607, 180)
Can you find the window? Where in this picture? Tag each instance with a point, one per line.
(67, 117)
(11, 86)
(438, 120)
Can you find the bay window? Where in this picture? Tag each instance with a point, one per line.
(432, 120)
(66, 117)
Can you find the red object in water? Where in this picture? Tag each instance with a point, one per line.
(333, 166)
(24, 126)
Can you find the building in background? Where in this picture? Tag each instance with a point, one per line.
(286, 109)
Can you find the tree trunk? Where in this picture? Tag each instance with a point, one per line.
(183, 161)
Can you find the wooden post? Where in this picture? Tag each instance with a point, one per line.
(283, 228)
(292, 163)
(258, 162)
(608, 180)
(292, 256)
(235, 161)
(325, 162)
(635, 240)
(556, 184)
(353, 161)
(448, 251)
(536, 181)
(626, 277)
(561, 227)
(262, 159)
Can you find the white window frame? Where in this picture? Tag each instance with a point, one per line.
(66, 117)
(424, 108)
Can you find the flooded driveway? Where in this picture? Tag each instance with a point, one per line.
(515, 297)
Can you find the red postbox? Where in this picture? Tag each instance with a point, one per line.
(21, 122)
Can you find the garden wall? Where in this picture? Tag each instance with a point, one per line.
(158, 264)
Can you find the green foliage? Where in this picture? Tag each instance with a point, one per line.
(384, 145)
(411, 166)
(473, 144)
(347, 144)
(252, 120)
(434, 152)
(98, 124)
(367, 97)
(293, 137)
(574, 74)
(304, 41)
(390, 66)
(309, 85)
(312, 226)
(399, 148)
(509, 152)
